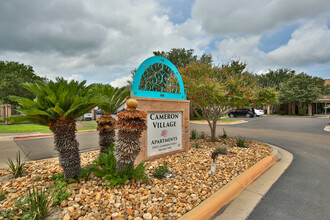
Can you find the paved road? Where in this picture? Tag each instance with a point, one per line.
(8, 149)
(40, 148)
(303, 191)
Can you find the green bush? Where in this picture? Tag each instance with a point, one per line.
(105, 167)
(36, 204)
(196, 145)
(61, 191)
(241, 143)
(7, 214)
(282, 112)
(202, 135)
(18, 169)
(2, 195)
(193, 134)
(160, 171)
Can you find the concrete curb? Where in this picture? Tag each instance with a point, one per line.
(242, 206)
(212, 205)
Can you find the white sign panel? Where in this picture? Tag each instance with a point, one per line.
(164, 132)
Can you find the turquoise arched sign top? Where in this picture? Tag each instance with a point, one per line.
(157, 77)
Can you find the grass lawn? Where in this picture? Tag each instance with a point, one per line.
(29, 128)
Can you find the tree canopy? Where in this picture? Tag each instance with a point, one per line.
(302, 89)
(13, 75)
(109, 98)
(59, 100)
(273, 78)
(215, 90)
(181, 57)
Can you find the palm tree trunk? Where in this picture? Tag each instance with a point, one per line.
(128, 148)
(68, 147)
(106, 127)
(131, 123)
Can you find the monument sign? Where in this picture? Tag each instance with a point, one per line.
(164, 133)
(158, 88)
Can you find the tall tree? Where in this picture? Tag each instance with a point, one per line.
(13, 75)
(302, 89)
(57, 104)
(109, 100)
(181, 57)
(217, 89)
(273, 78)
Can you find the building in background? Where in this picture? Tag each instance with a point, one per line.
(320, 106)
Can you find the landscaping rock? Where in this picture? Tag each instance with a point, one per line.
(167, 198)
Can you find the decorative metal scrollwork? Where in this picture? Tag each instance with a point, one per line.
(158, 77)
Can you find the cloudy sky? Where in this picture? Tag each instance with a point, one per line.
(102, 41)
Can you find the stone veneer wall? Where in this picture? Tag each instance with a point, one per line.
(164, 105)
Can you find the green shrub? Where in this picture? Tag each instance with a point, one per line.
(282, 112)
(202, 135)
(224, 135)
(61, 191)
(196, 145)
(2, 194)
(7, 214)
(222, 149)
(160, 171)
(18, 169)
(302, 111)
(58, 177)
(36, 204)
(193, 134)
(1, 121)
(105, 167)
(241, 143)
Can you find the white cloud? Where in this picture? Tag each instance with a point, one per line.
(223, 17)
(76, 77)
(103, 41)
(121, 82)
(241, 48)
(88, 36)
(309, 44)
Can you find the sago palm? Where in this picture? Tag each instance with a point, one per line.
(109, 100)
(57, 104)
(131, 123)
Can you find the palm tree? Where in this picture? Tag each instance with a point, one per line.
(131, 123)
(109, 100)
(57, 104)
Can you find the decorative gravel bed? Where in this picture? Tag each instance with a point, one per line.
(169, 198)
